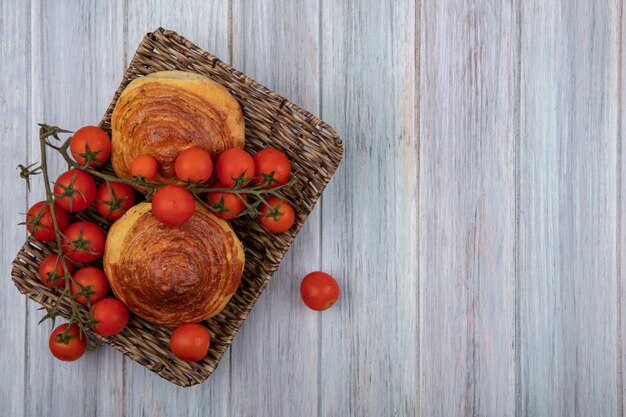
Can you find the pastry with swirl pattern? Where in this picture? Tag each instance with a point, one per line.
(166, 112)
(173, 275)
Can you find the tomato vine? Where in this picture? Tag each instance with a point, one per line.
(251, 196)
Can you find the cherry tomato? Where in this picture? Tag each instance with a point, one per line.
(229, 202)
(235, 164)
(144, 166)
(75, 190)
(173, 205)
(280, 218)
(69, 347)
(51, 271)
(190, 342)
(92, 280)
(271, 168)
(83, 242)
(90, 143)
(319, 291)
(112, 206)
(111, 316)
(39, 221)
(194, 164)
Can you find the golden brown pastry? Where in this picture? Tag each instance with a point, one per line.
(166, 112)
(173, 275)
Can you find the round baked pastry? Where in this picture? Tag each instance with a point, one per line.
(166, 112)
(173, 275)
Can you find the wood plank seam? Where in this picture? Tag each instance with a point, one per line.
(516, 246)
(418, 38)
(320, 55)
(619, 242)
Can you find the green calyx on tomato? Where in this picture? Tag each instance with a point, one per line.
(80, 244)
(34, 222)
(113, 199)
(67, 342)
(39, 220)
(75, 190)
(83, 242)
(90, 157)
(274, 212)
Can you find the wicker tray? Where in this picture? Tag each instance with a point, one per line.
(315, 151)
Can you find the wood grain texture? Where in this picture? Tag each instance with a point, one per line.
(74, 72)
(15, 110)
(568, 218)
(621, 283)
(475, 226)
(207, 25)
(278, 343)
(369, 350)
(468, 85)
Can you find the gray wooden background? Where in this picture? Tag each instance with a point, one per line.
(475, 225)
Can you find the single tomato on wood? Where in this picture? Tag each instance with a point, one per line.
(279, 217)
(271, 168)
(114, 199)
(83, 242)
(173, 205)
(144, 166)
(111, 316)
(235, 167)
(91, 282)
(319, 291)
(40, 224)
(90, 143)
(67, 346)
(194, 164)
(190, 342)
(51, 271)
(75, 190)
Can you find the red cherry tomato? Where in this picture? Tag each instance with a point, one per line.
(235, 164)
(83, 242)
(194, 164)
(75, 190)
(280, 218)
(319, 291)
(51, 271)
(144, 166)
(114, 199)
(92, 143)
(190, 342)
(111, 316)
(173, 205)
(91, 280)
(39, 221)
(70, 346)
(229, 203)
(271, 168)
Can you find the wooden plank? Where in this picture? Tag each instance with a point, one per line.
(369, 343)
(276, 43)
(15, 108)
(469, 71)
(77, 63)
(205, 24)
(621, 282)
(568, 202)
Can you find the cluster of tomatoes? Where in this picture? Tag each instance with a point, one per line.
(234, 169)
(83, 242)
